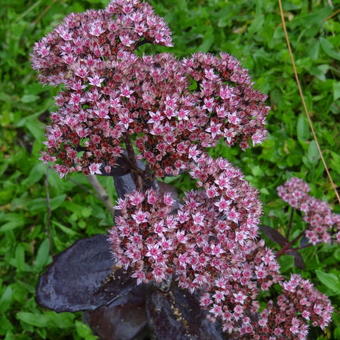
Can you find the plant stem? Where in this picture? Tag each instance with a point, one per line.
(131, 153)
(298, 237)
(305, 246)
(142, 42)
(133, 166)
(136, 172)
(49, 212)
(288, 246)
(297, 79)
(291, 214)
(101, 193)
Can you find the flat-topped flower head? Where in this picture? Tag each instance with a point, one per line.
(233, 109)
(86, 44)
(223, 104)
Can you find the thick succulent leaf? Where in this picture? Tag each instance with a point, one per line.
(176, 315)
(124, 184)
(82, 278)
(304, 242)
(121, 168)
(274, 235)
(162, 318)
(126, 321)
(123, 322)
(136, 296)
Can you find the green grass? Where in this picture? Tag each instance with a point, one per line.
(30, 233)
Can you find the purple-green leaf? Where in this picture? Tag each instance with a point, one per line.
(82, 278)
(274, 235)
(176, 315)
(125, 321)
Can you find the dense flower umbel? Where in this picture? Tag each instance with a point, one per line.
(209, 245)
(89, 53)
(298, 306)
(322, 223)
(233, 109)
(85, 46)
(237, 266)
(217, 101)
(111, 93)
(96, 120)
(218, 223)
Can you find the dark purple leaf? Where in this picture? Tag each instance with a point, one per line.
(124, 184)
(162, 319)
(176, 315)
(120, 322)
(82, 278)
(121, 168)
(304, 242)
(274, 235)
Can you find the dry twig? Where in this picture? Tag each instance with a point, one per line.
(310, 122)
(49, 211)
(101, 193)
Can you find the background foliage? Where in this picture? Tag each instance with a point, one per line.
(40, 215)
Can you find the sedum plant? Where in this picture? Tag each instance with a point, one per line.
(172, 268)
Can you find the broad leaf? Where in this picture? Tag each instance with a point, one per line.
(274, 235)
(330, 280)
(124, 184)
(176, 315)
(121, 168)
(82, 278)
(302, 128)
(123, 321)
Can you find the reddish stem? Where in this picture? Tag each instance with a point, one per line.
(288, 245)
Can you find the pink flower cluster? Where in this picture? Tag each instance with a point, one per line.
(298, 305)
(85, 46)
(219, 221)
(92, 123)
(322, 223)
(208, 244)
(223, 104)
(233, 295)
(173, 106)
